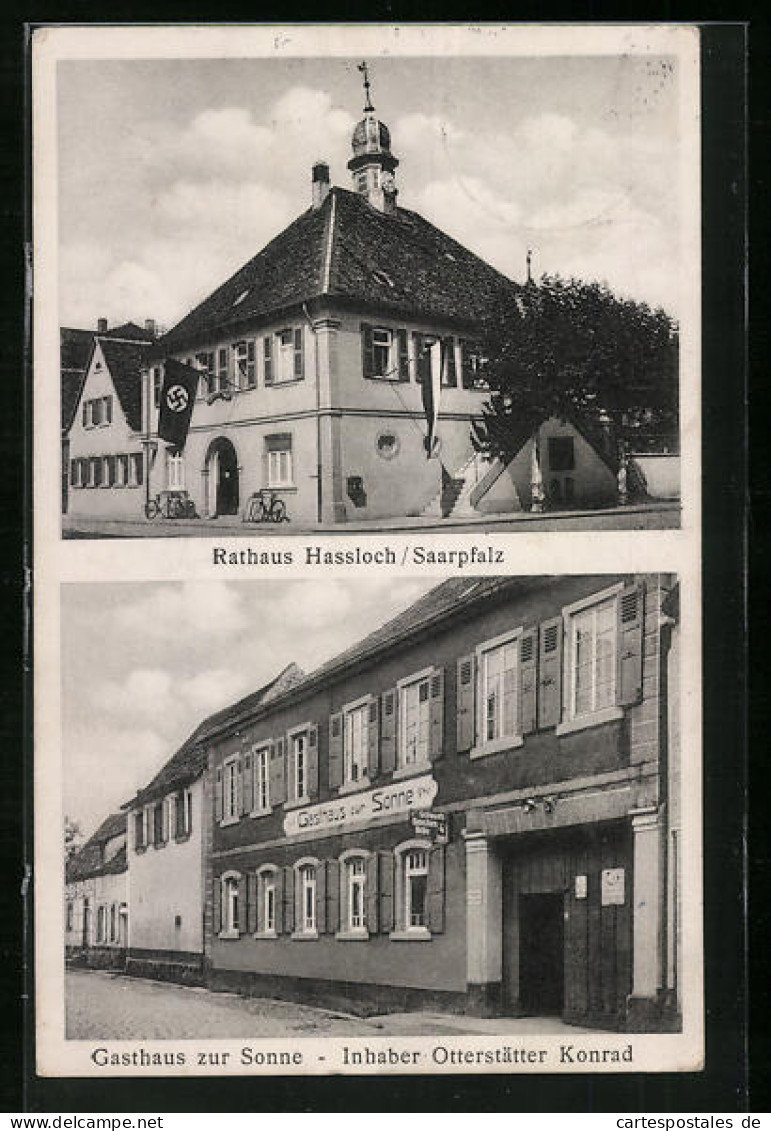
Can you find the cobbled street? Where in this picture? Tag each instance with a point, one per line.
(107, 1006)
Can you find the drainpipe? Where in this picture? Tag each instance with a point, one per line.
(319, 488)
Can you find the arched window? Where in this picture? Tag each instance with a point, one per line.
(419, 890)
(230, 903)
(353, 894)
(268, 901)
(305, 895)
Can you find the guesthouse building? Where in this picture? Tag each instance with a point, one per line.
(96, 898)
(470, 810)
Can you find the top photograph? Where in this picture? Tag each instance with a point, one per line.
(349, 295)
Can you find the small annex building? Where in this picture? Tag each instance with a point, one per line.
(96, 898)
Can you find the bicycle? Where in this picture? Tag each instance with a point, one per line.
(265, 506)
(170, 504)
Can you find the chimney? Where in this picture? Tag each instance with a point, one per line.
(320, 178)
(150, 327)
(101, 326)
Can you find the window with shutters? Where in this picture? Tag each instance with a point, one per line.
(170, 819)
(140, 836)
(382, 351)
(449, 364)
(101, 924)
(261, 780)
(70, 921)
(267, 901)
(385, 353)
(305, 890)
(183, 814)
(287, 362)
(246, 365)
(498, 694)
(231, 909)
(353, 895)
(230, 792)
(220, 381)
(301, 762)
(413, 895)
(414, 715)
(355, 742)
(158, 837)
(591, 691)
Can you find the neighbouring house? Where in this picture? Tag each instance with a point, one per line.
(474, 809)
(96, 898)
(169, 846)
(102, 454)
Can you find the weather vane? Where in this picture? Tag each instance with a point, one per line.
(368, 107)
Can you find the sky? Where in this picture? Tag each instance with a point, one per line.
(144, 663)
(173, 173)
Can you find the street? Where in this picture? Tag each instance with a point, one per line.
(664, 515)
(106, 1006)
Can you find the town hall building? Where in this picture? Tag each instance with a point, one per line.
(340, 370)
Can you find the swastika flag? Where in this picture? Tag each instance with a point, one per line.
(180, 384)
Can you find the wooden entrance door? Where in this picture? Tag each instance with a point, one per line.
(541, 953)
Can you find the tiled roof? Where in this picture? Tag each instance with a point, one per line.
(125, 360)
(451, 596)
(190, 760)
(88, 861)
(398, 263)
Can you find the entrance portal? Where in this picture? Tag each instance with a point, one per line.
(541, 953)
(222, 465)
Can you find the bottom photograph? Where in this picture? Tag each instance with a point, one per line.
(372, 807)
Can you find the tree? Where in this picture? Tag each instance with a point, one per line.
(73, 838)
(573, 350)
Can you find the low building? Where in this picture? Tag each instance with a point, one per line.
(470, 810)
(169, 845)
(96, 898)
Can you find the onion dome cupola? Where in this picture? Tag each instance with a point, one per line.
(372, 165)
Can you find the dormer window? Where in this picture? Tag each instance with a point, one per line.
(241, 297)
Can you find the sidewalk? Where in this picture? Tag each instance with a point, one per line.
(659, 515)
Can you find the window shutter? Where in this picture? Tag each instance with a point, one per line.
(373, 738)
(333, 896)
(267, 359)
(108, 409)
(299, 367)
(239, 786)
(404, 355)
(335, 750)
(436, 715)
(466, 695)
(321, 898)
(247, 792)
(436, 890)
(466, 376)
(242, 905)
(630, 644)
(367, 351)
(388, 732)
(278, 772)
(385, 891)
(371, 895)
(313, 761)
(288, 900)
(218, 795)
(550, 672)
(527, 681)
(251, 902)
(279, 900)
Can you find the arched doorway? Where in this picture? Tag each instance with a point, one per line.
(222, 473)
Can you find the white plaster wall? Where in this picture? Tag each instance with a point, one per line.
(98, 890)
(104, 440)
(166, 882)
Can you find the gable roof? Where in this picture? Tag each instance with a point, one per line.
(125, 360)
(189, 761)
(75, 350)
(88, 861)
(398, 264)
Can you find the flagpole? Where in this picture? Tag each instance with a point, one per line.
(148, 393)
